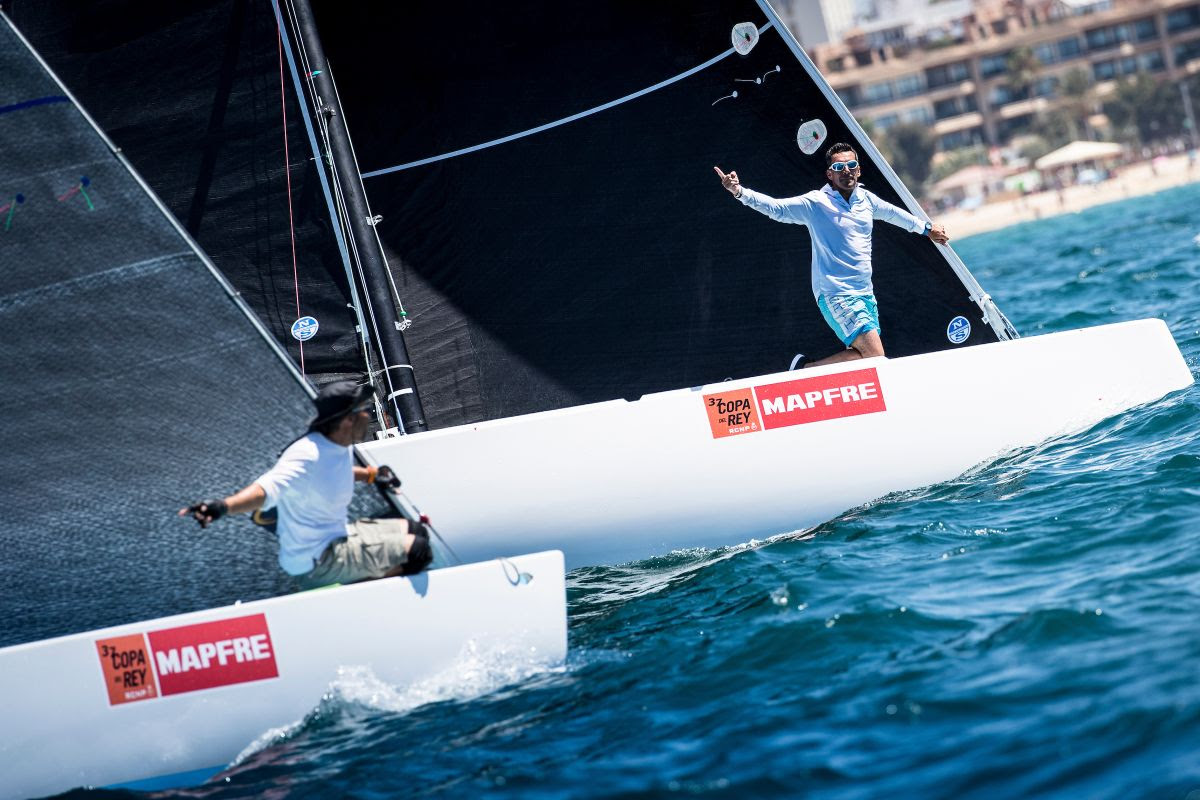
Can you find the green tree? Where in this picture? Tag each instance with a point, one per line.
(955, 160)
(909, 147)
(1144, 110)
(1034, 147)
(1078, 102)
(1056, 127)
(1023, 70)
(1192, 87)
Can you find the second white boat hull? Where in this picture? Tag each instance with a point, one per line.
(170, 701)
(618, 481)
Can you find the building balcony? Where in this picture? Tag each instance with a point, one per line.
(962, 122)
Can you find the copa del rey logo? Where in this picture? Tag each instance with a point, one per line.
(804, 400)
(187, 659)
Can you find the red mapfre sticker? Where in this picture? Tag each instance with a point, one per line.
(212, 654)
(843, 394)
(128, 674)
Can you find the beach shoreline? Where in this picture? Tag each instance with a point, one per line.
(1132, 180)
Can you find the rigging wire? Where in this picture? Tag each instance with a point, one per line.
(287, 171)
(343, 216)
(405, 322)
(338, 233)
(343, 222)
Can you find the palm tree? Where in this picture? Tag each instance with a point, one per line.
(1145, 110)
(1023, 70)
(910, 147)
(1078, 101)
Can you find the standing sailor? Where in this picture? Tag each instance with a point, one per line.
(840, 216)
(311, 486)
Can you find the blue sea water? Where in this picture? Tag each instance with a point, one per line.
(1029, 629)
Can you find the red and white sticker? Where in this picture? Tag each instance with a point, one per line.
(843, 394)
(798, 402)
(187, 659)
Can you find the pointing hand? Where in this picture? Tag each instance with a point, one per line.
(729, 181)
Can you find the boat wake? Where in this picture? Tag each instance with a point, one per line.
(480, 669)
(595, 589)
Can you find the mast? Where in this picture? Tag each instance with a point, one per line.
(396, 372)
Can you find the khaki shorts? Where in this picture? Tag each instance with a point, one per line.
(370, 548)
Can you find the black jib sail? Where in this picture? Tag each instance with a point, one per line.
(544, 177)
(133, 381)
(195, 94)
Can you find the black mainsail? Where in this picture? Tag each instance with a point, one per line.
(550, 175)
(586, 253)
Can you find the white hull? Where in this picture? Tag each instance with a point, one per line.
(81, 711)
(617, 481)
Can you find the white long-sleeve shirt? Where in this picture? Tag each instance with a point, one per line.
(312, 483)
(840, 232)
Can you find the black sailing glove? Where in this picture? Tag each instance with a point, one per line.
(387, 479)
(207, 511)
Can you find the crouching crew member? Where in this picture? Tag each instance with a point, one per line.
(310, 487)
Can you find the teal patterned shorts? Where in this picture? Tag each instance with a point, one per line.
(850, 315)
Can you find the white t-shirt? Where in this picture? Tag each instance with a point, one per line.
(312, 484)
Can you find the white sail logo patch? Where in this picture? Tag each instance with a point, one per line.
(745, 36)
(958, 330)
(810, 136)
(305, 328)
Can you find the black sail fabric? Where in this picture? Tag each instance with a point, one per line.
(132, 383)
(192, 94)
(595, 259)
(601, 258)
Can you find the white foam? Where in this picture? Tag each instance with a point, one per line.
(479, 669)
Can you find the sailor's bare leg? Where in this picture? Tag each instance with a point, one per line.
(866, 345)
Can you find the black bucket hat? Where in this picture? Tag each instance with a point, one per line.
(338, 399)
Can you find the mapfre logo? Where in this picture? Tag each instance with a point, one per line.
(843, 394)
(212, 654)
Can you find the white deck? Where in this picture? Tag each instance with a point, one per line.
(618, 481)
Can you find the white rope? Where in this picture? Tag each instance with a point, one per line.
(564, 120)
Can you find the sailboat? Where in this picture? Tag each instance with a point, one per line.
(139, 373)
(555, 180)
(599, 337)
